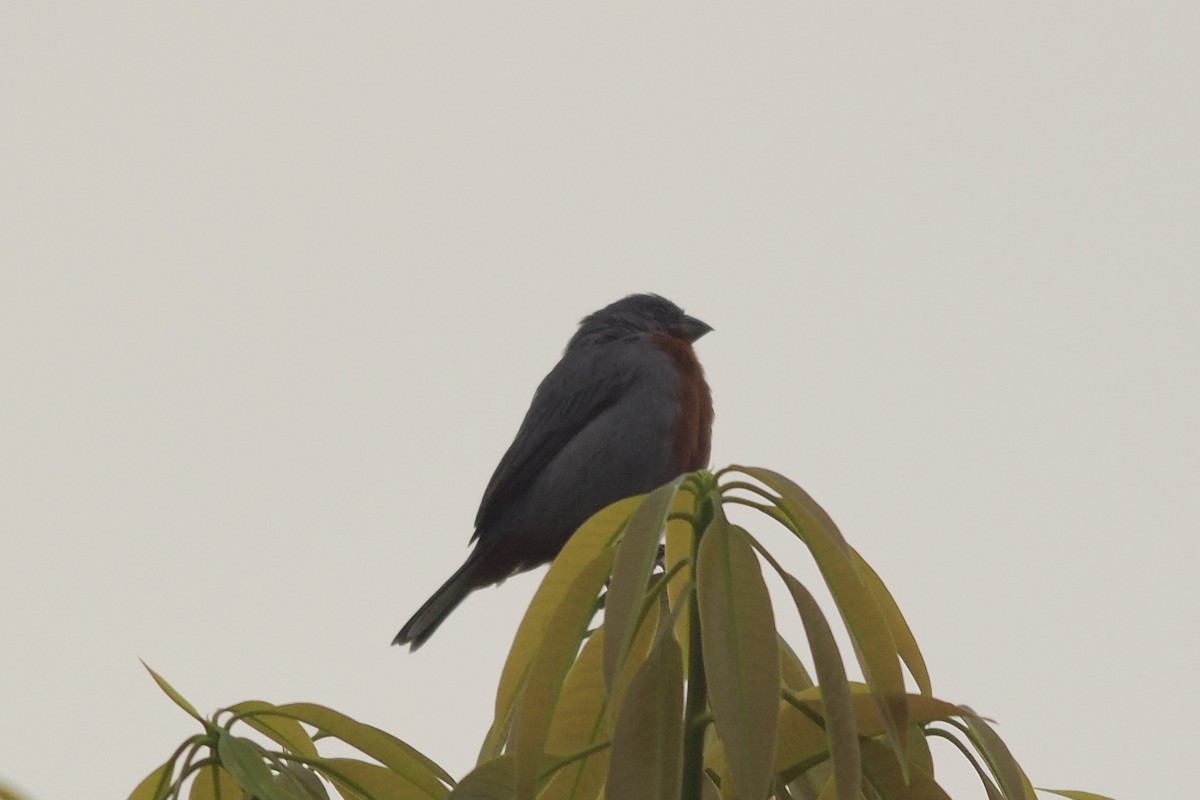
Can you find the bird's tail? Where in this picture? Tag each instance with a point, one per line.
(444, 600)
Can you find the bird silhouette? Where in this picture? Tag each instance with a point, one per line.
(625, 410)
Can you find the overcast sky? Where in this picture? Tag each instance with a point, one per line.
(277, 283)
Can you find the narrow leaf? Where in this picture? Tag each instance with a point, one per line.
(679, 549)
(595, 535)
(902, 635)
(1075, 794)
(995, 752)
(831, 678)
(864, 621)
(579, 723)
(214, 783)
(285, 732)
(154, 785)
(993, 792)
(560, 643)
(635, 655)
(918, 748)
(174, 695)
(647, 751)
(244, 761)
(367, 780)
(741, 655)
(793, 672)
(303, 782)
(380, 745)
(492, 780)
(803, 743)
(834, 689)
(885, 776)
(631, 571)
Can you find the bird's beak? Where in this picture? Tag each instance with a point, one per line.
(691, 328)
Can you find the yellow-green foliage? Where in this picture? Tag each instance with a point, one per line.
(685, 690)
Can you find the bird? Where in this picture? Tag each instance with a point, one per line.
(625, 410)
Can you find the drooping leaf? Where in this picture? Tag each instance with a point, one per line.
(631, 571)
(918, 748)
(741, 655)
(635, 656)
(1075, 794)
(595, 535)
(380, 745)
(793, 672)
(579, 723)
(154, 785)
(370, 781)
(174, 695)
(840, 724)
(1008, 773)
(284, 731)
(800, 744)
(884, 773)
(837, 708)
(303, 782)
(803, 743)
(562, 635)
(902, 635)
(214, 783)
(491, 780)
(647, 752)
(676, 561)
(244, 761)
(985, 778)
(864, 621)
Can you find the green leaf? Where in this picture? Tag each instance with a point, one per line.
(371, 781)
(1008, 773)
(647, 751)
(174, 695)
(579, 723)
(1075, 794)
(304, 782)
(380, 745)
(885, 776)
(679, 549)
(154, 785)
(286, 732)
(560, 643)
(918, 748)
(214, 783)
(902, 635)
(840, 725)
(595, 535)
(244, 760)
(838, 710)
(989, 786)
(635, 656)
(492, 780)
(631, 572)
(795, 676)
(864, 621)
(802, 742)
(741, 654)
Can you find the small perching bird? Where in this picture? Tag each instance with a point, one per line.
(624, 411)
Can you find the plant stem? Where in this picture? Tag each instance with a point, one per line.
(695, 720)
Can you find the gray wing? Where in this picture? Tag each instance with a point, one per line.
(581, 386)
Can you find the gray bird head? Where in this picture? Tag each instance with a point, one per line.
(634, 315)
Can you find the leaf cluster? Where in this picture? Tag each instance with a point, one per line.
(685, 690)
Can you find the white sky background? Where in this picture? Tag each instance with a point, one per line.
(277, 284)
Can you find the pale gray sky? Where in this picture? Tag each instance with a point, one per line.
(277, 283)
